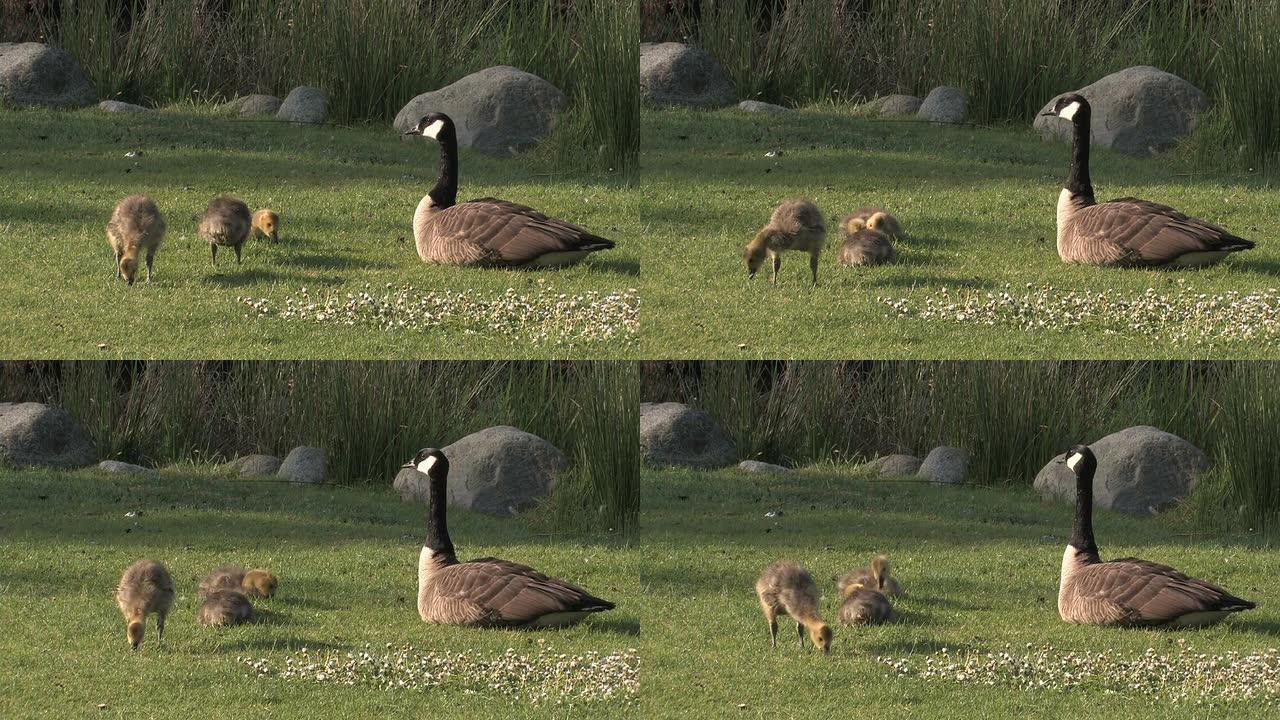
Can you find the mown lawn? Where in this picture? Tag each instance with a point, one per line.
(978, 206)
(346, 197)
(347, 563)
(980, 570)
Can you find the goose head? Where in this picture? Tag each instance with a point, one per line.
(430, 462)
(1072, 106)
(437, 126)
(1081, 461)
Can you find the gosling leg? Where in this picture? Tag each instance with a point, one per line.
(777, 263)
(771, 617)
(151, 256)
(213, 248)
(159, 627)
(237, 254)
(813, 267)
(800, 633)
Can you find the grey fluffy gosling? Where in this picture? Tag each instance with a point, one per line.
(876, 576)
(256, 583)
(879, 219)
(135, 230)
(225, 223)
(785, 588)
(145, 588)
(862, 244)
(225, 607)
(863, 601)
(795, 224)
(259, 583)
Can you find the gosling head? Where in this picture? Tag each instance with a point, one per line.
(129, 268)
(134, 634)
(878, 222)
(268, 223)
(437, 126)
(1081, 460)
(261, 582)
(1072, 106)
(755, 252)
(855, 224)
(821, 636)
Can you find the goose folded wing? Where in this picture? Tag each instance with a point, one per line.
(1151, 233)
(1151, 594)
(516, 594)
(508, 233)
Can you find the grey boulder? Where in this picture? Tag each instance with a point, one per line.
(411, 485)
(946, 465)
(256, 105)
(899, 105)
(256, 465)
(1138, 111)
(683, 75)
(115, 106)
(502, 470)
(674, 434)
(36, 75)
(39, 435)
(115, 466)
(1141, 470)
(944, 105)
(896, 465)
(755, 466)
(499, 110)
(305, 104)
(755, 106)
(304, 465)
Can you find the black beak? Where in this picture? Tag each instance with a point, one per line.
(410, 132)
(1048, 114)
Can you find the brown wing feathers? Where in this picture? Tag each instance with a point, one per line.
(509, 233)
(1150, 593)
(515, 594)
(1153, 233)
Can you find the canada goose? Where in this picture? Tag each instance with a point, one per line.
(1127, 232)
(136, 227)
(488, 232)
(266, 223)
(878, 219)
(259, 583)
(862, 244)
(226, 222)
(786, 588)
(145, 588)
(876, 576)
(1128, 592)
(795, 224)
(864, 605)
(225, 607)
(485, 592)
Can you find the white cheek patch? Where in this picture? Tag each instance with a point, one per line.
(1073, 461)
(425, 466)
(1067, 112)
(433, 129)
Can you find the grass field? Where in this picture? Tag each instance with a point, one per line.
(978, 206)
(346, 196)
(347, 562)
(980, 570)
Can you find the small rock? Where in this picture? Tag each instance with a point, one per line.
(115, 106)
(896, 465)
(256, 465)
(257, 105)
(39, 435)
(946, 465)
(37, 75)
(678, 74)
(304, 465)
(674, 434)
(304, 104)
(755, 466)
(899, 105)
(115, 466)
(755, 106)
(944, 105)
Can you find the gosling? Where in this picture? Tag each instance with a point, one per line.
(145, 588)
(885, 222)
(864, 605)
(796, 224)
(135, 229)
(788, 589)
(225, 223)
(256, 583)
(266, 223)
(259, 583)
(225, 607)
(877, 577)
(862, 244)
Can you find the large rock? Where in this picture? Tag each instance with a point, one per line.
(755, 466)
(944, 105)
(411, 485)
(304, 104)
(115, 106)
(499, 110)
(755, 106)
(677, 74)
(303, 465)
(117, 467)
(676, 434)
(502, 470)
(1141, 470)
(1139, 110)
(896, 465)
(256, 105)
(38, 435)
(948, 465)
(36, 75)
(256, 465)
(899, 105)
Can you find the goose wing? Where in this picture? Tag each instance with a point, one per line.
(515, 594)
(497, 232)
(1147, 593)
(1149, 233)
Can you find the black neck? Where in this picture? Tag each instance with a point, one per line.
(1078, 183)
(437, 526)
(445, 192)
(1082, 530)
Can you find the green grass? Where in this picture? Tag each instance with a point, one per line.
(346, 196)
(347, 564)
(980, 570)
(978, 205)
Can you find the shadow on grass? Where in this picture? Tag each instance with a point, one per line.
(617, 267)
(616, 627)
